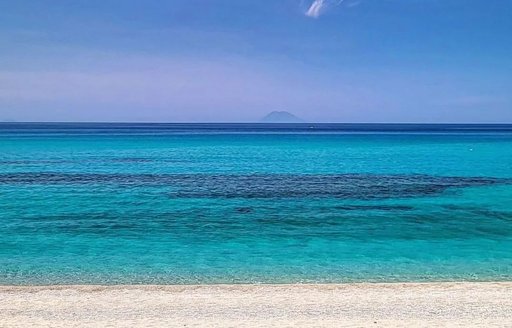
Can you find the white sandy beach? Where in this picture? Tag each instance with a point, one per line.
(340, 305)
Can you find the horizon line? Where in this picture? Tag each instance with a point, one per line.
(252, 122)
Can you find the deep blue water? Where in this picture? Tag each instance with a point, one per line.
(269, 203)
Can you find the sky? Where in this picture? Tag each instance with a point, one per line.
(422, 61)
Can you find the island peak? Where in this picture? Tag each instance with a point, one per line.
(281, 117)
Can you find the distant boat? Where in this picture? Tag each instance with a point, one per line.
(281, 117)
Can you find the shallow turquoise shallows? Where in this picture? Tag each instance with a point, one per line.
(252, 203)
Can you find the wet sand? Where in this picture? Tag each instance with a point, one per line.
(339, 305)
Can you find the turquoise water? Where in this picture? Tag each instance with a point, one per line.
(224, 203)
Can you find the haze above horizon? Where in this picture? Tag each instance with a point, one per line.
(223, 61)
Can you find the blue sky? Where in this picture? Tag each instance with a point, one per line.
(220, 60)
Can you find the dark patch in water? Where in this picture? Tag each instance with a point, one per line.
(244, 210)
(375, 208)
(299, 222)
(194, 224)
(344, 186)
(454, 207)
(481, 212)
(130, 160)
(35, 162)
(501, 215)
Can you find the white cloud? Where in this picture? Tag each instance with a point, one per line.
(318, 7)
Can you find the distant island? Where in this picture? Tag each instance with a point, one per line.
(281, 117)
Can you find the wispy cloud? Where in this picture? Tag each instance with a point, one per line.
(353, 4)
(318, 7)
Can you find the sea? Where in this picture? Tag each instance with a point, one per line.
(91, 203)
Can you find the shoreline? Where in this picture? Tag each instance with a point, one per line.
(411, 304)
(321, 285)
